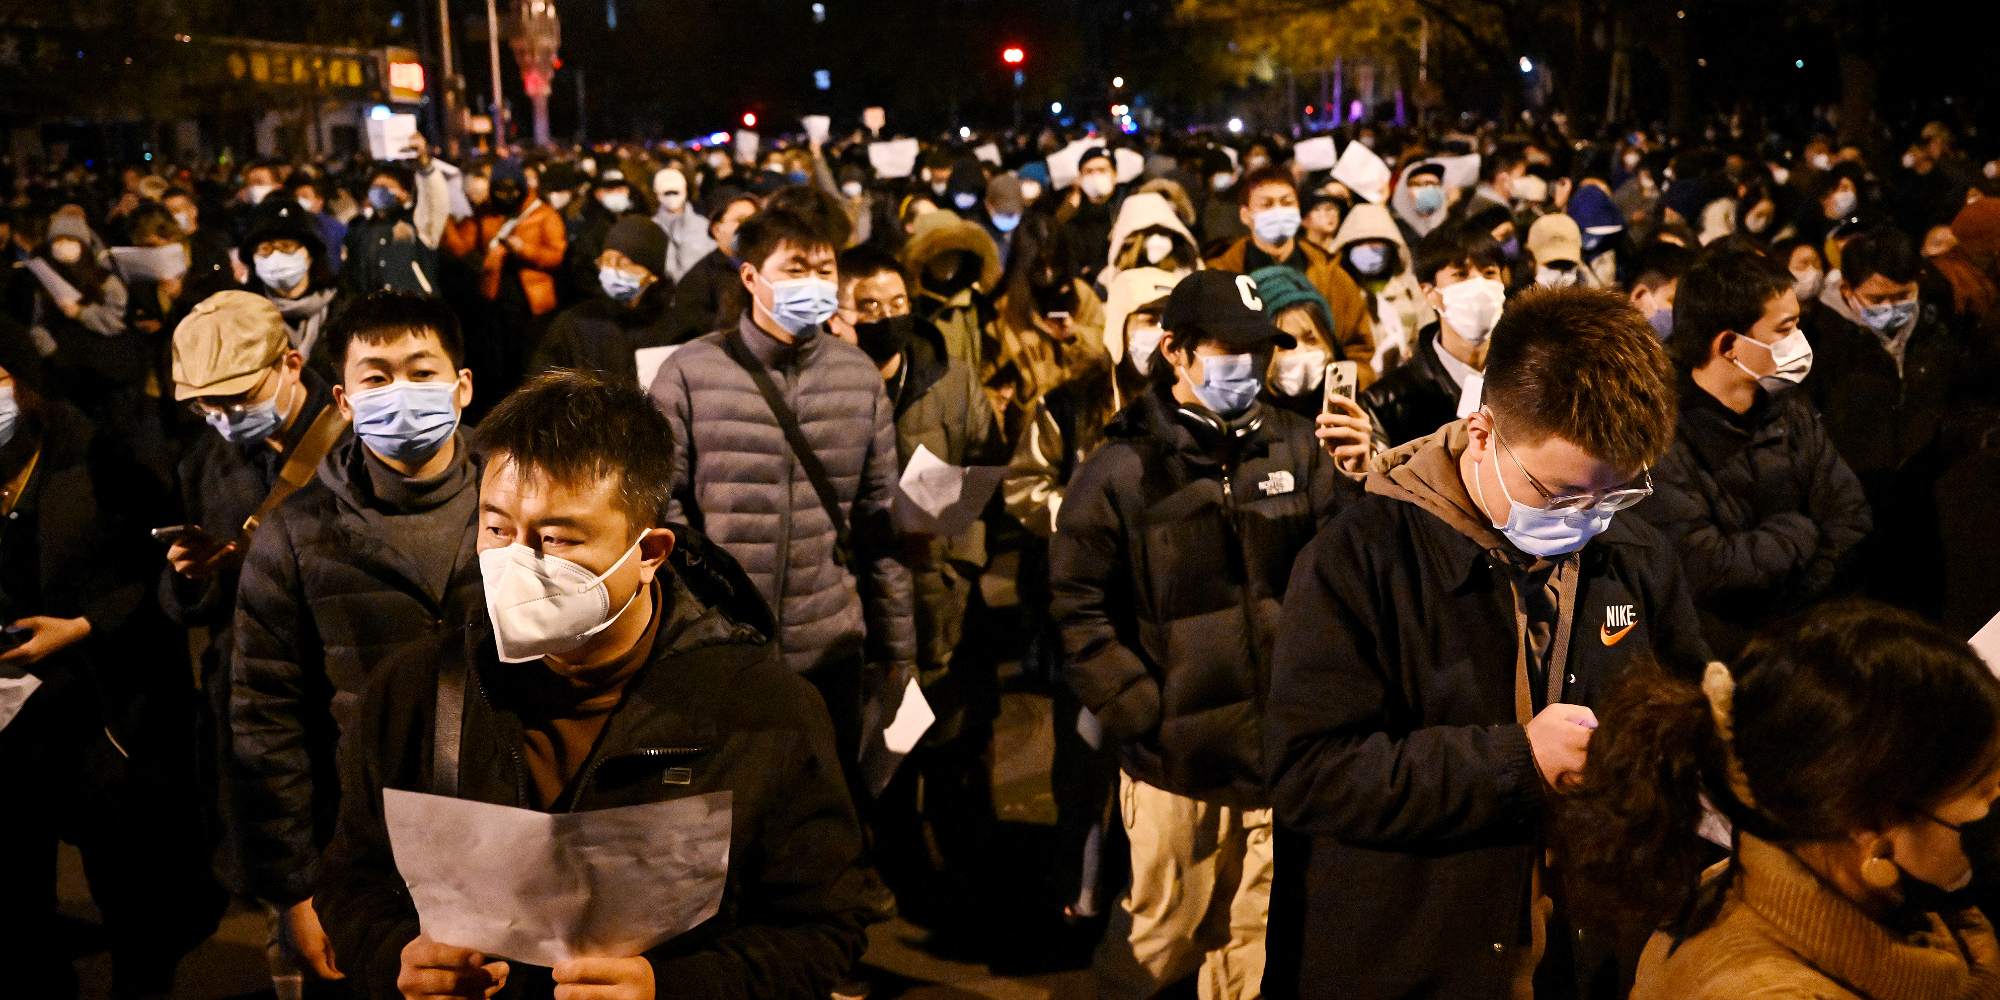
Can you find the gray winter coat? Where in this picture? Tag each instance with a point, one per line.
(736, 481)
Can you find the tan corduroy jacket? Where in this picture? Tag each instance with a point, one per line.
(1783, 932)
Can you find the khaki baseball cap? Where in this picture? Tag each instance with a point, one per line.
(1553, 238)
(225, 345)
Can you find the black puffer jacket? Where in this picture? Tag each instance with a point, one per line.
(600, 335)
(1762, 510)
(324, 600)
(713, 710)
(1415, 399)
(1167, 568)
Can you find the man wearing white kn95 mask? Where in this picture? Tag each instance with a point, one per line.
(1459, 271)
(623, 662)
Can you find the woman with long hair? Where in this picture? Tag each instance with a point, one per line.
(1845, 752)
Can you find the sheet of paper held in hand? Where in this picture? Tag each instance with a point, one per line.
(1987, 644)
(937, 498)
(151, 263)
(543, 888)
(59, 289)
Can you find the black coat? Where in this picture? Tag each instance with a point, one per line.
(102, 755)
(1762, 510)
(1167, 569)
(1877, 419)
(1886, 428)
(1416, 398)
(76, 545)
(221, 486)
(1407, 799)
(736, 720)
(324, 600)
(709, 297)
(379, 257)
(600, 335)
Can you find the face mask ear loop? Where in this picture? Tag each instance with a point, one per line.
(606, 575)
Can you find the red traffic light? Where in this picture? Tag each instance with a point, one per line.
(1013, 55)
(749, 119)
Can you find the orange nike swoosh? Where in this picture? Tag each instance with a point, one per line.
(1612, 638)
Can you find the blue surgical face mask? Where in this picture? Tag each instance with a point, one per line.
(1006, 223)
(250, 424)
(10, 414)
(965, 200)
(281, 272)
(1368, 258)
(405, 421)
(1428, 198)
(619, 285)
(1276, 225)
(1889, 316)
(1545, 533)
(1662, 323)
(1512, 248)
(799, 177)
(1229, 383)
(800, 305)
(382, 199)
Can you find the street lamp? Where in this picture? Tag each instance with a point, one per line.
(537, 37)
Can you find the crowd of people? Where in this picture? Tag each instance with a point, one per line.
(576, 480)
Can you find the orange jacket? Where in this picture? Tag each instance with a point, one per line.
(543, 244)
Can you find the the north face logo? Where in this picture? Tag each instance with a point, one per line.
(1277, 483)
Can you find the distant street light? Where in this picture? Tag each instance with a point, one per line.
(1118, 81)
(1235, 124)
(1013, 55)
(1055, 108)
(1527, 65)
(749, 119)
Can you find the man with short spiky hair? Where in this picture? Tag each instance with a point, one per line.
(1443, 641)
(785, 454)
(659, 665)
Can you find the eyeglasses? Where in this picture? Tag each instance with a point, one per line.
(269, 247)
(234, 411)
(1611, 501)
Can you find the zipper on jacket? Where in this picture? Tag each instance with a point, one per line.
(590, 773)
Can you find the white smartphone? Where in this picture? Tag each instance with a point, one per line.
(1342, 379)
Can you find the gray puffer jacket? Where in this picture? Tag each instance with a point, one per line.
(736, 481)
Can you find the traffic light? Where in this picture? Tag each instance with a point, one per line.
(1013, 55)
(749, 119)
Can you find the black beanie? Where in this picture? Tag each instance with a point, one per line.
(641, 239)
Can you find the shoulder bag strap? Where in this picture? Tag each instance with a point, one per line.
(297, 471)
(738, 351)
(447, 727)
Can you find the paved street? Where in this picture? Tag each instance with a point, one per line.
(230, 965)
